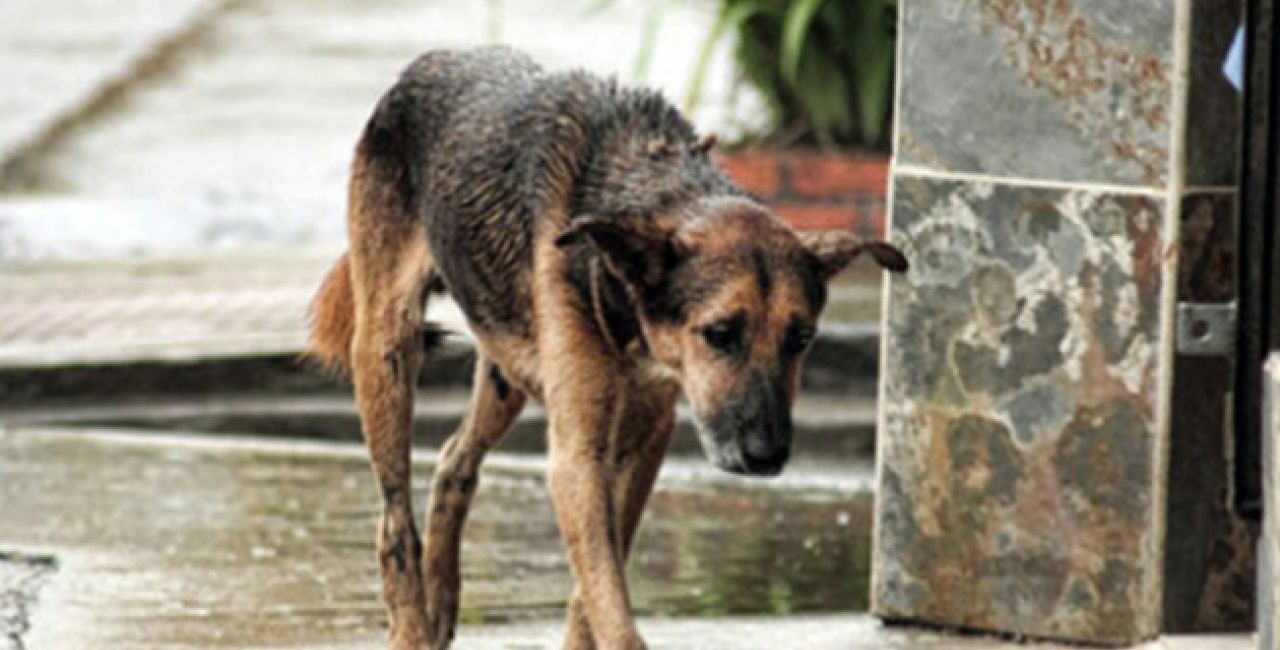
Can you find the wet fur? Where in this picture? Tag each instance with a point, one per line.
(583, 232)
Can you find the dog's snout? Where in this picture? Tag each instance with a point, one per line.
(752, 434)
(768, 463)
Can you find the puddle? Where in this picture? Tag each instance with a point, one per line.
(196, 542)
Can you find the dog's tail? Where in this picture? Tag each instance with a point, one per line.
(332, 320)
(380, 196)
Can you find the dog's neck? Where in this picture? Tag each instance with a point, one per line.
(641, 158)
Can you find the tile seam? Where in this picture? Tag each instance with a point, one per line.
(873, 604)
(1175, 190)
(900, 169)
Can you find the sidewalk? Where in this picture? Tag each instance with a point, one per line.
(57, 313)
(57, 55)
(216, 306)
(164, 542)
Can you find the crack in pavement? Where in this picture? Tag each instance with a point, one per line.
(20, 167)
(21, 577)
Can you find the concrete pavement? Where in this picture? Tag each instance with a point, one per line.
(177, 541)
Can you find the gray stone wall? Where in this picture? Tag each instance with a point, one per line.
(1054, 160)
(1269, 545)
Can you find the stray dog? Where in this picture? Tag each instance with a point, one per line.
(605, 266)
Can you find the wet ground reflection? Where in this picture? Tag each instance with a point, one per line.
(190, 542)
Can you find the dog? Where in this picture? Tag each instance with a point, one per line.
(605, 266)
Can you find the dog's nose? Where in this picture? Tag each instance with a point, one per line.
(768, 463)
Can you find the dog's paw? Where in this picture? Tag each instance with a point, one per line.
(442, 613)
(410, 633)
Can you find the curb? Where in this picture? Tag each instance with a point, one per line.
(843, 362)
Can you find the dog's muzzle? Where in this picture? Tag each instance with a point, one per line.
(750, 434)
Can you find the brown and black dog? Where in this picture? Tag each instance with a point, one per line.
(605, 267)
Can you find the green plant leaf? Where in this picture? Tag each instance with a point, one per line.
(824, 69)
(875, 93)
(795, 33)
(732, 15)
(872, 55)
(598, 7)
(648, 40)
(823, 90)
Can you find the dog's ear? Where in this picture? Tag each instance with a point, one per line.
(833, 250)
(638, 250)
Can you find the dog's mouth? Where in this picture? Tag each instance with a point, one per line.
(749, 467)
(727, 453)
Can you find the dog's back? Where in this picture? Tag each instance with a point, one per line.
(479, 143)
(480, 148)
(445, 132)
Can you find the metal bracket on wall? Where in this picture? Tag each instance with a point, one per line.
(1206, 329)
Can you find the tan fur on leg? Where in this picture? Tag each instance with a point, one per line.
(494, 406)
(583, 388)
(389, 266)
(635, 456)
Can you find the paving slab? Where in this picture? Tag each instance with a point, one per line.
(181, 541)
(228, 304)
(828, 432)
(163, 308)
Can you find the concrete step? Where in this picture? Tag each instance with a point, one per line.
(824, 426)
(843, 363)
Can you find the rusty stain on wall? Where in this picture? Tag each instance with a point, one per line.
(1110, 91)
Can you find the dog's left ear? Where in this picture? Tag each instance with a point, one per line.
(637, 249)
(833, 251)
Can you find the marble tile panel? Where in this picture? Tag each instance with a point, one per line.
(1019, 452)
(1065, 90)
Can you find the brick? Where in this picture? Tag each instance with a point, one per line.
(876, 224)
(757, 172)
(832, 176)
(871, 217)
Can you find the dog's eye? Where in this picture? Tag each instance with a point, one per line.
(724, 337)
(798, 338)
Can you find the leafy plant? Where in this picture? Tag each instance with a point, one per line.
(824, 67)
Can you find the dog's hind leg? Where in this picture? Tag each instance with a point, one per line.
(635, 456)
(495, 403)
(390, 268)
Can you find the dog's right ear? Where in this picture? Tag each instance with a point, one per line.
(833, 250)
(636, 249)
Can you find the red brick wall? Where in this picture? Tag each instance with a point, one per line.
(815, 191)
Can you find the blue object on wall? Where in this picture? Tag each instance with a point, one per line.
(1233, 66)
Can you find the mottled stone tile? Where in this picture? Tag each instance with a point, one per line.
(1018, 450)
(1268, 576)
(1068, 90)
(1213, 105)
(1209, 553)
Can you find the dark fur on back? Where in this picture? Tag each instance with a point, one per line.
(480, 143)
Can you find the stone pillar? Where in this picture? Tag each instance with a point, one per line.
(1054, 160)
(1269, 544)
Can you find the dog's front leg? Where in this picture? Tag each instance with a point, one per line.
(579, 480)
(582, 389)
(635, 456)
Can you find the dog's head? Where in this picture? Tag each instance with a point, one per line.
(728, 299)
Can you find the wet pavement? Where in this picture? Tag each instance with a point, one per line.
(181, 541)
(58, 54)
(118, 539)
(21, 577)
